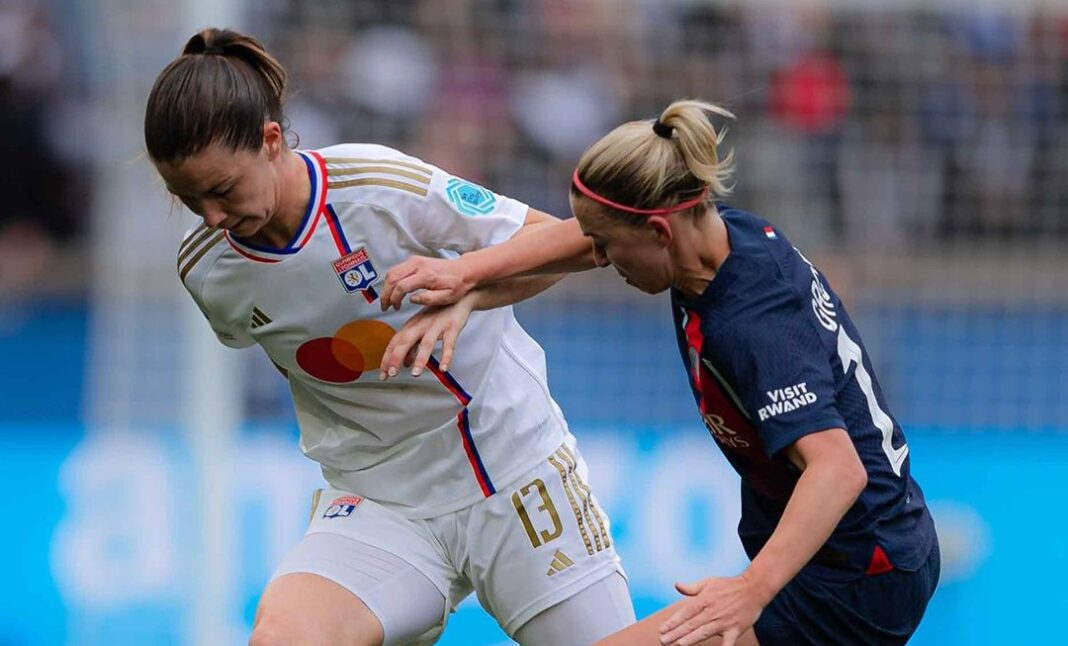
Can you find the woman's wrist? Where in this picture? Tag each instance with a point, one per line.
(764, 585)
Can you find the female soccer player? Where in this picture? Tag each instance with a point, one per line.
(465, 479)
(843, 547)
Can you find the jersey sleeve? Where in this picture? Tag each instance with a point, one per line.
(228, 335)
(436, 209)
(462, 216)
(194, 264)
(783, 374)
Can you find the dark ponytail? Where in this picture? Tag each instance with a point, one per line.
(221, 89)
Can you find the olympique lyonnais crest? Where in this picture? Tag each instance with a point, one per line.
(357, 273)
(342, 507)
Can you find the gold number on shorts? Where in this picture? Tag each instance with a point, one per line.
(546, 506)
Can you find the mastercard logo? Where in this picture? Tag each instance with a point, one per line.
(354, 349)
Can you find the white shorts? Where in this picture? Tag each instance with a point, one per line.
(535, 543)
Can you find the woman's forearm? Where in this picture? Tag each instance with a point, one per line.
(550, 248)
(512, 290)
(822, 496)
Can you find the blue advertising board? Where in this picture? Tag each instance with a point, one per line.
(103, 528)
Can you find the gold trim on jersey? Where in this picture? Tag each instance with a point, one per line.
(184, 271)
(388, 183)
(385, 170)
(195, 237)
(340, 174)
(392, 162)
(564, 473)
(585, 493)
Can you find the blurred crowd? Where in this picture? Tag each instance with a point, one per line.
(43, 166)
(886, 127)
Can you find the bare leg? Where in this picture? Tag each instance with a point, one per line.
(309, 610)
(647, 633)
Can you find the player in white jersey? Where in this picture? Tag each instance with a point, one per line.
(463, 479)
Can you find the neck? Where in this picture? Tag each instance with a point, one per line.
(700, 255)
(292, 192)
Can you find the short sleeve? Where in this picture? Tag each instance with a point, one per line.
(192, 272)
(462, 216)
(228, 335)
(783, 374)
(434, 208)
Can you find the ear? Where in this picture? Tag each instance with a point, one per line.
(661, 228)
(272, 139)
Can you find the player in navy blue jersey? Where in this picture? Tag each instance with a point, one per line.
(843, 546)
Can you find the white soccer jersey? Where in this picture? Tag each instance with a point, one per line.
(429, 444)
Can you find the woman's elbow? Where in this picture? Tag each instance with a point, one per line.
(854, 478)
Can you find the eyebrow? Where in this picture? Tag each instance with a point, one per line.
(213, 189)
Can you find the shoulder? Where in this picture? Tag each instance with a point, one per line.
(371, 173)
(200, 248)
(765, 257)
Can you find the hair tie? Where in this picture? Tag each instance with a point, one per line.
(662, 129)
(213, 50)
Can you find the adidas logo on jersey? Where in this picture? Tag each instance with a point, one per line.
(258, 319)
(559, 563)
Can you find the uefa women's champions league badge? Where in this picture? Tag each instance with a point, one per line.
(342, 507)
(357, 273)
(469, 199)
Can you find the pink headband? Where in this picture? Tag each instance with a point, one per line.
(681, 206)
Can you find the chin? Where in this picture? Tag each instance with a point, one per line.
(248, 228)
(644, 288)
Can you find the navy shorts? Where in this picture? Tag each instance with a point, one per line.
(879, 609)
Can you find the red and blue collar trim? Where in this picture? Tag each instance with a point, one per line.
(312, 214)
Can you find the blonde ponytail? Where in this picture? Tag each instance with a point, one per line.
(699, 142)
(636, 165)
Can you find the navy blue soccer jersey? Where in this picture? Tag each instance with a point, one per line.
(772, 356)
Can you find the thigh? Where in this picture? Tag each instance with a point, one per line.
(538, 542)
(309, 609)
(595, 612)
(383, 569)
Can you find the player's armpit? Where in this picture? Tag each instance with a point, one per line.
(647, 633)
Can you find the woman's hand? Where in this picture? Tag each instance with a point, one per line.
(716, 606)
(443, 282)
(415, 342)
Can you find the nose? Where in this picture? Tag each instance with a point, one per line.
(600, 258)
(211, 212)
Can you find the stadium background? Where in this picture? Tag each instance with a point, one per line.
(916, 150)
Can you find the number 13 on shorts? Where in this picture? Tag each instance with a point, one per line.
(546, 506)
(544, 525)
